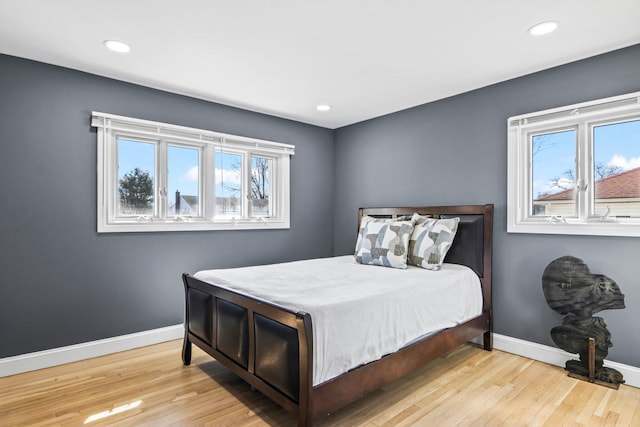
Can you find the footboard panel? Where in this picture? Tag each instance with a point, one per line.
(277, 356)
(200, 315)
(232, 331)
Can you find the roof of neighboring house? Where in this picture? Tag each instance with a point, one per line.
(191, 200)
(624, 185)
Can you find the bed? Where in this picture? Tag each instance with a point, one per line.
(284, 348)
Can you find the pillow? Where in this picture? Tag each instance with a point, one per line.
(430, 241)
(383, 242)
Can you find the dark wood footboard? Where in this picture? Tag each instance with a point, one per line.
(268, 346)
(271, 347)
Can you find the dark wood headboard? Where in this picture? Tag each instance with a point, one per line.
(472, 245)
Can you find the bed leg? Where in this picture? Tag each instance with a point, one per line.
(186, 352)
(488, 341)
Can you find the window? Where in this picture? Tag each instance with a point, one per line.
(576, 169)
(261, 168)
(229, 184)
(136, 177)
(160, 177)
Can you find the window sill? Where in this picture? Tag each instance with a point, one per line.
(609, 227)
(141, 226)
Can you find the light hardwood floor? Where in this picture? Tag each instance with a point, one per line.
(468, 387)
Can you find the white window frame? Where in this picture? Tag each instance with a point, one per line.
(110, 127)
(583, 117)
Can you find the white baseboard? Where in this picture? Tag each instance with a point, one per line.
(58, 356)
(557, 357)
(61, 355)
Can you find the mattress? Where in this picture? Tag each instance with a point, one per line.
(359, 312)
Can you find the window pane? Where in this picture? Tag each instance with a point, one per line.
(616, 169)
(261, 170)
(228, 184)
(553, 170)
(136, 178)
(183, 179)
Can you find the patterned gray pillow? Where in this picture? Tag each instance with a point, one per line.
(383, 242)
(430, 241)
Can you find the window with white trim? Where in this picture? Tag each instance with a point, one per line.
(160, 177)
(576, 169)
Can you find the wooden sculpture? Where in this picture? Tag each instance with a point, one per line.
(571, 289)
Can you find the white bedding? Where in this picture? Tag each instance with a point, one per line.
(359, 313)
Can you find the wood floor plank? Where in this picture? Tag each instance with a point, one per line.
(467, 387)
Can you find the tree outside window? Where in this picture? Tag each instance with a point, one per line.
(136, 192)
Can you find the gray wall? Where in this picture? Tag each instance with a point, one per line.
(60, 282)
(454, 151)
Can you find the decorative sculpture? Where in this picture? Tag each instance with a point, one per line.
(570, 288)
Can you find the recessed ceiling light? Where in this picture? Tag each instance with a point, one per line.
(117, 46)
(323, 107)
(543, 28)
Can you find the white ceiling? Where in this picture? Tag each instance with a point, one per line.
(366, 58)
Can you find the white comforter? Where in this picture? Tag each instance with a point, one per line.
(359, 312)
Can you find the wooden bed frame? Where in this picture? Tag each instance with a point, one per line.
(271, 347)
